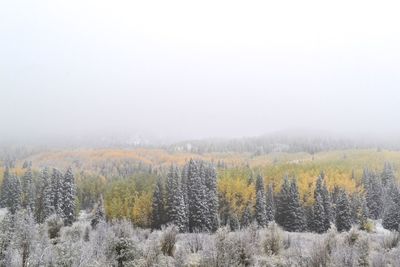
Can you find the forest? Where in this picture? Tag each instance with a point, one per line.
(158, 207)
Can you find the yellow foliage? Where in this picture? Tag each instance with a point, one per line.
(141, 211)
(237, 192)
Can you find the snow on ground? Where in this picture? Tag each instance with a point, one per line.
(379, 228)
(3, 212)
(84, 215)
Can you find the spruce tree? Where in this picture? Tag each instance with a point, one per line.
(298, 223)
(270, 204)
(391, 216)
(387, 175)
(28, 191)
(171, 189)
(44, 207)
(212, 198)
(99, 214)
(321, 209)
(282, 204)
(234, 222)
(68, 197)
(374, 194)
(158, 206)
(175, 207)
(5, 189)
(14, 199)
(319, 215)
(198, 207)
(327, 206)
(260, 208)
(290, 213)
(181, 220)
(247, 216)
(343, 213)
(56, 191)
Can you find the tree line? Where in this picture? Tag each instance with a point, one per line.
(189, 198)
(190, 201)
(51, 193)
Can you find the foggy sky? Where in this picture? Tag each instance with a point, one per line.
(195, 69)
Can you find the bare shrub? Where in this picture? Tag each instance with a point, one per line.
(54, 225)
(273, 242)
(391, 240)
(168, 240)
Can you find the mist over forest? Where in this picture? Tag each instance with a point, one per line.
(199, 134)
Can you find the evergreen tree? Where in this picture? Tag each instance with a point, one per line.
(181, 220)
(212, 198)
(171, 189)
(198, 207)
(359, 210)
(14, 199)
(270, 204)
(387, 175)
(247, 216)
(391, 216)
(343, 213)
(327, 206)
(234, 222)
(374, 192)
(290, 213)
(68, 197)
(28, 191)
(5, 189)
(158, 207)
(44, 207)
(282, 204)
(296, 210)
(260, 209)
(321, 208)
(176, 208)
(56, 191)
(319, 215)
(99, 214)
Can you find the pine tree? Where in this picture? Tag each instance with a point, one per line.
(290, 213)
(28, 191)
(327, 206)
(5, 189)
(282, 204)
(260, 208)
(48, 208)
(234, 222)
(363, 214)
(247, 216)
(374, 192)
(171, 188)
(387, 175)
(14, 199)
(181, 219)
(391, 216)
(196, 198)
(343, 214)
(321, 209)
(296, 210)
(68, 197)
(212, 198)
(99, 214)
(319, 215)
(44, 207)
(270, 204)
(175, 207)
(56, 191)
(158, 206)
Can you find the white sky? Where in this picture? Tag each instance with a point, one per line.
(198, 68)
